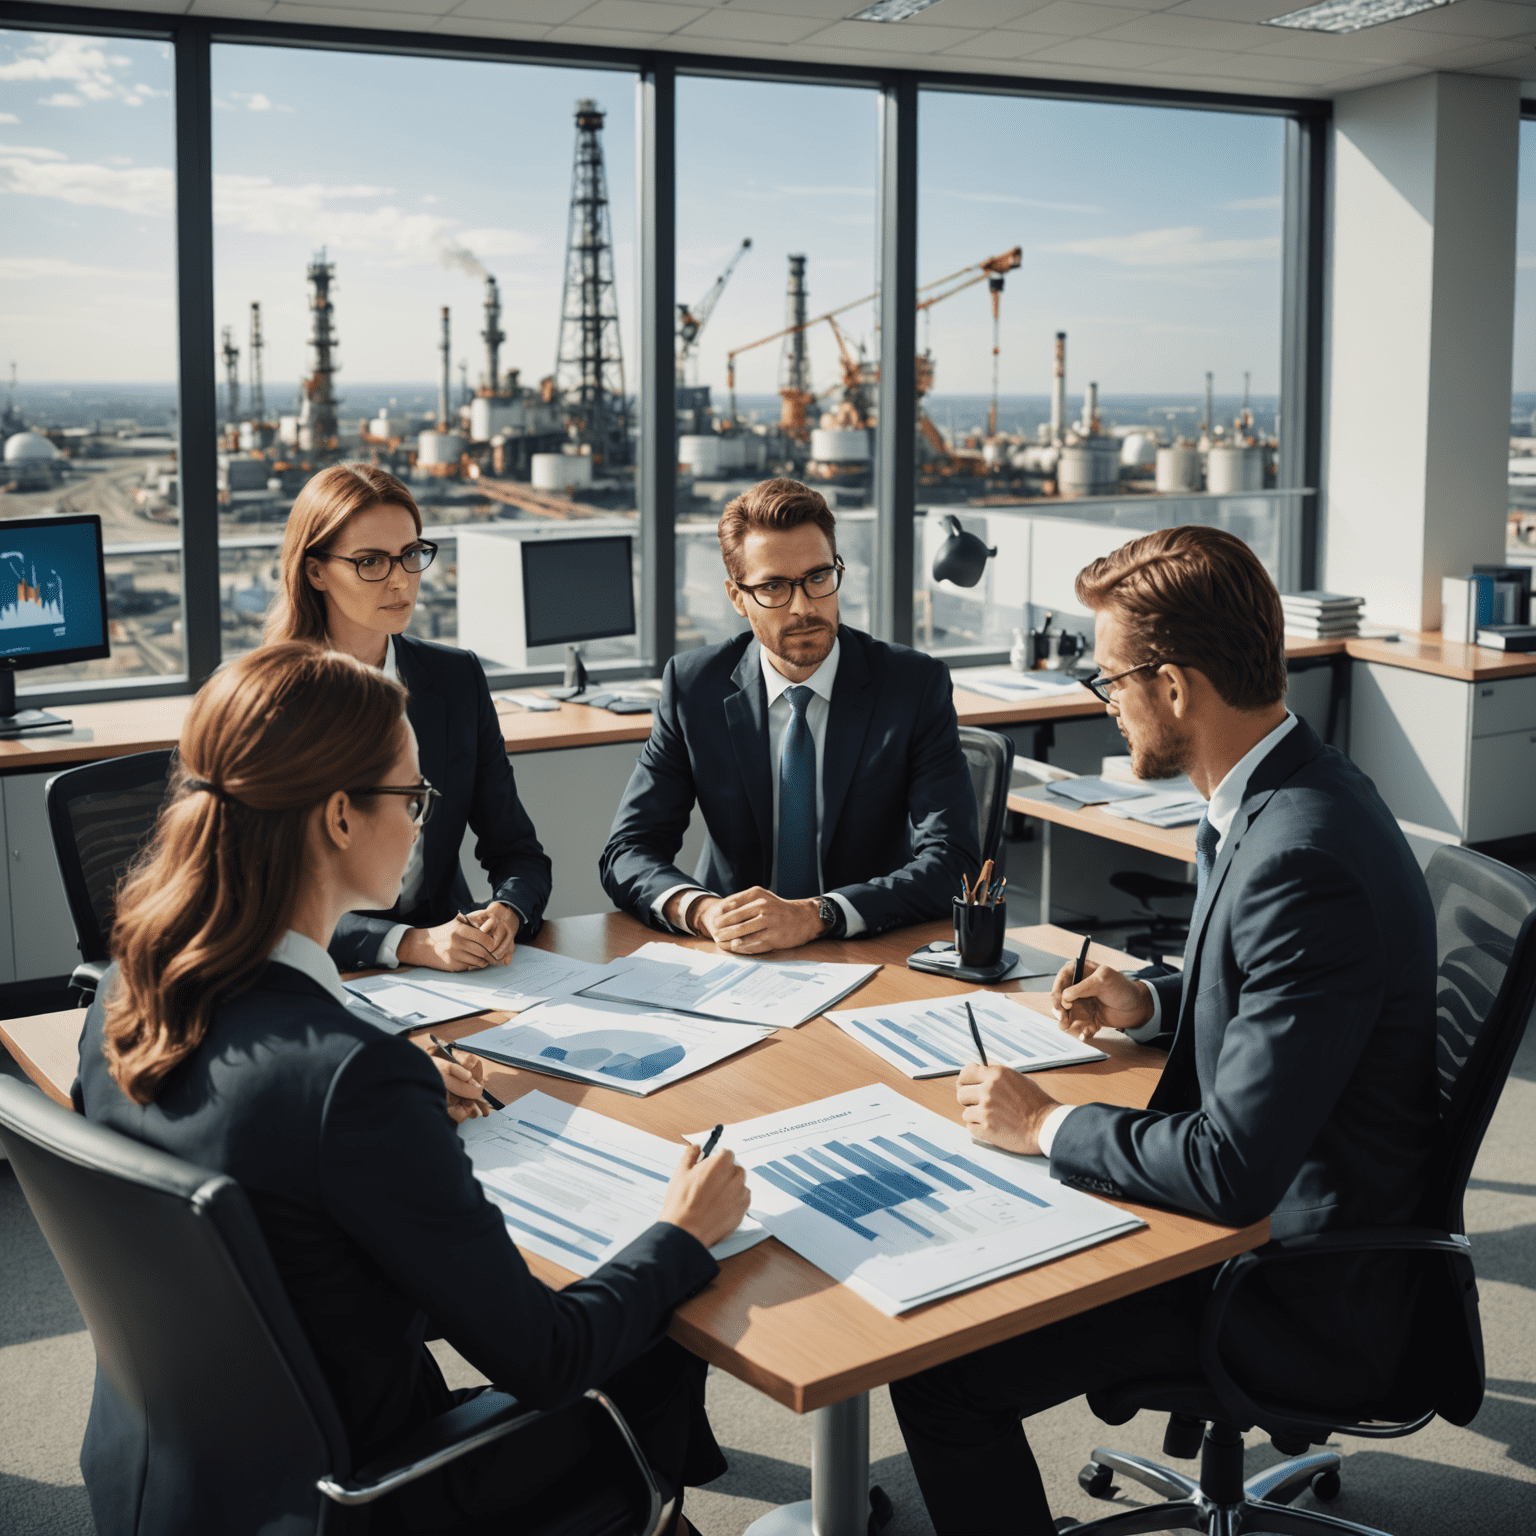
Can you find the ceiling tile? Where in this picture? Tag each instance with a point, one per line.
(382, 10)
(341, 16)
(1269, 66)
(600, 37)
(1235, 10)
(1176, 80)
(968, 13)
(1188, 32)
(1505, 51)
(527, 13)
(826, 10)
(1094, 51)
(1391, 44)
(248, 10)
(1003, 45)
(1074, 18)
(638, 16)
(890, 37)
(1473, 18)
(484, 26)
(752, 26)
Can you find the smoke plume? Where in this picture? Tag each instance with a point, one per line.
(452, 254)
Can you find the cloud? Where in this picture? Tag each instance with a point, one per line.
(1186, 246)
(257, 101)
(20, 268)
(144, 190)
(9, 117)
(81, 64)
(1244, 204)
(1020, 202)
(33, 152)
(1525, 262)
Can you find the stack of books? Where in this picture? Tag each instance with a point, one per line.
(1322, 615)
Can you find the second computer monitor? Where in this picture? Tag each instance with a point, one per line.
(577, 589)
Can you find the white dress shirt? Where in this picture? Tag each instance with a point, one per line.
(304, 955)
(780, 712)
(1226, 801)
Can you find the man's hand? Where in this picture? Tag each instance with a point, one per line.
(451, 946)
(1103, 999)
(499, 923)
(706, 1197)
(755, 921)
(466, 1100)
(1003, 1107)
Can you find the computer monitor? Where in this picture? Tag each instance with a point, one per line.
(53, 603)
(577, 589)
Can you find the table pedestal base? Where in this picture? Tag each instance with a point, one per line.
(839, 1501)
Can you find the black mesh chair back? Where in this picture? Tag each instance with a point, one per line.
(196, 1342)
(990, 759)
(100, 815)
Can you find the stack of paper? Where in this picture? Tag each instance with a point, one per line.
(932, 1037)
(1010, 686)
(574, 1185)
(900, 1205)
(1321, 615)
(616, 1045)
(531, 976)
(395, 1003)
(1174, 808)
(777, 993)
(1092, 791)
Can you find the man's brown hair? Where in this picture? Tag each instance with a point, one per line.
(771, 504)
(1199, 597)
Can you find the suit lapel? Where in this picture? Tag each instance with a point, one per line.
(848, 718)
(427, 710)
(746, 719)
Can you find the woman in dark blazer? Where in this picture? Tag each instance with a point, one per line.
(221, 1035)
(351, 569)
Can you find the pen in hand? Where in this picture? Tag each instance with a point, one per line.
(1082, 960)
(446, 1051)
(709, 1146)
(981, 1050)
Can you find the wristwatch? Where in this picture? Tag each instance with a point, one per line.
(834, 921)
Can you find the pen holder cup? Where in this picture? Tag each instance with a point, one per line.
(979, 933)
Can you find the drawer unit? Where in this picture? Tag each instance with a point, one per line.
(1507, 705)
(1501, 786)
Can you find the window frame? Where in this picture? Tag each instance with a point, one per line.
(1306, 177)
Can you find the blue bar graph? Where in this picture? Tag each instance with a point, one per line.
(976, 1171)
(855, 1187)
(649, 1173)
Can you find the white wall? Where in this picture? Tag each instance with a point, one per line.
(1421, 322)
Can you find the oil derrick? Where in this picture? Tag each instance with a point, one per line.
(589, 366)
(795, 366)
(258, 394)
(231, 376)
(319, 392)
(492, 336)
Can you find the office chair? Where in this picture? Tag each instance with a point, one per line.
(990, 759)
(101, 814)
(1485, 915)
(197, 1342)
(1159, 933)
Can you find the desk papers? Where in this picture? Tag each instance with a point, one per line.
(402, 1005)
(931, 1038)
(530, 976)
(778, 994)
(1014, 687)
(1168, 808)
(900, 1205)
(1094, 791)
(615, 1045)
(574, 1185)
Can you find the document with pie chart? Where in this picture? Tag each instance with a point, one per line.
(616, 1045)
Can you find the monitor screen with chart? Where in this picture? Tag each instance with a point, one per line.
(53, 591)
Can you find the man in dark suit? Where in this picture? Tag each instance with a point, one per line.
(463, 756)
(827, 763)
(1300, 1082)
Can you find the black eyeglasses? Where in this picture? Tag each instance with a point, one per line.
(379, 567)
(780, 591)
(422, 798)
(1098, 686)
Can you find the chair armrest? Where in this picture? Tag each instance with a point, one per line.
(481, 1421)
(1310, 1245)
(86, 978)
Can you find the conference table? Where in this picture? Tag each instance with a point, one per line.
(772, 1319)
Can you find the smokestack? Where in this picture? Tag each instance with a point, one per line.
(1210, 405)
(444, 384)
(1059, 390)
(1090, 422)
(493, 336)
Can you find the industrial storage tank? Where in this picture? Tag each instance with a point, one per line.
(1178, 468)
(840, 445)
(1088, 468)
(560, 471)
(439, 448)
(699, 453)
(29, 448)
(1137, 450)
(1234, 467)
(489, 417)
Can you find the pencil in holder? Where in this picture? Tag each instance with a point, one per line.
(979, 931)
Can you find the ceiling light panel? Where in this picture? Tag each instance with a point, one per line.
(1351, 15)
(892, 10)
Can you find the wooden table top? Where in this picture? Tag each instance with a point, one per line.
(773, 1319)
(1039, 802)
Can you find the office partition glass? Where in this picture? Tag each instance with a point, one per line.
(87, 265)
(1522, 405)
(428, 265)
(1099, 326)
(778, 350)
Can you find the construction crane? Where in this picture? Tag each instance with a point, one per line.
(692, 320)
(232, 374)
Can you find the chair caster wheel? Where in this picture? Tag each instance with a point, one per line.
(1097, 1481)
(1325, 1486)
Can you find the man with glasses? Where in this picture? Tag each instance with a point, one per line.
(1300, 1083)
(827, 763)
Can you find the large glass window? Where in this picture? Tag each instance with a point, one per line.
(88, 401)
(777, 367)
(453, 302)
(1522, 409)
(1098, 337)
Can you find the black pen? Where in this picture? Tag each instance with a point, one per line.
(981, 1050)
(709, 1146)
(1082, 960)
(447, 1050)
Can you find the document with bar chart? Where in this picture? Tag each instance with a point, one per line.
(574, 1185)
(931, 1038)
(900, 1205)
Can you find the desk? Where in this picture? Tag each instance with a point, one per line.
(1172, 842)
(774, 1320)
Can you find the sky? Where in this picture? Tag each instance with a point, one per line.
(1151, 236)
(1525, 266)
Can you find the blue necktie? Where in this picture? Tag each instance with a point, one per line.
(798, 874)
(1206, 838)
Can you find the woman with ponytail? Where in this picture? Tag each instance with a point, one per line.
(222, 1035)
